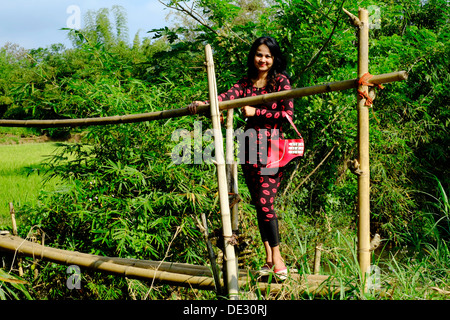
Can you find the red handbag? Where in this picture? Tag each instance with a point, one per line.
(282, 151)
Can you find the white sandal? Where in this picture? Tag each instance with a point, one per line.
(265, 270)
(281, 274)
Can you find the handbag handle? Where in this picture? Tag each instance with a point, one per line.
(284, 113)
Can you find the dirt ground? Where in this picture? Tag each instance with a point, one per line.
(7, 139)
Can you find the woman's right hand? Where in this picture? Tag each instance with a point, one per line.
(193, 106)
(248, 111)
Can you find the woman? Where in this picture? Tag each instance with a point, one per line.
(265, 73)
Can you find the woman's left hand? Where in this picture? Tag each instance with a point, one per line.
(248, 111)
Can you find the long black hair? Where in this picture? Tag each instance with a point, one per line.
(279, 61)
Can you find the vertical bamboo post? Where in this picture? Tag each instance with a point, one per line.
(232, 169)
(12, 212)
(363, 150)
(317, 256)
(212, 256)
(232, 177)
(229, 254)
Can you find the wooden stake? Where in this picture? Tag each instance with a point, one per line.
(212, 256)
(317, 257)
(363, 150)
(229, 254)
(12, 212)
(232, 169)
(235, 191)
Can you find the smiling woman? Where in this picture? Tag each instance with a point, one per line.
(21, 177)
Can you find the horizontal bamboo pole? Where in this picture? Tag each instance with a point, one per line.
(167, 114)
(143, 270)
(98, 263)
(178, 274)
(132, 118)
(309, 91)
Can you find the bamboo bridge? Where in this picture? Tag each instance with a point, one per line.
(163, 272)
(202, 277)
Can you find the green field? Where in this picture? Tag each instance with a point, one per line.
(21, 176)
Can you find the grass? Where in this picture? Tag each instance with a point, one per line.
(411, 273)
(21, 176)
(419, 273)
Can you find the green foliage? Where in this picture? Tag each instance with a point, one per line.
(122, 195)
(13, 287)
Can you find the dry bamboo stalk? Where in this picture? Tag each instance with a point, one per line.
(12, 212)
(354, 19)
(229, 254)
(212, 256)
(229, 156)
(93, 262)
(112, 266)
(317, 257)
(166, 114)
(235, 190)
(231, 169)
(230, 163)
(363, 150)
(173, 267)
(308, 91)
(186, 275)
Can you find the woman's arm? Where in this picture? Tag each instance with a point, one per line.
(235, 92)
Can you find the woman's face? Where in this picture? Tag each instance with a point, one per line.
(263, 59)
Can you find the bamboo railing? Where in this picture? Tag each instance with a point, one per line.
(174, 113)
(194, 279)
(229, 253)
(178, 274)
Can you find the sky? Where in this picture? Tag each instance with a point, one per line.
(37, 23)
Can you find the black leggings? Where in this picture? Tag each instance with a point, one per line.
(263, 190)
